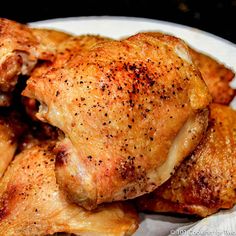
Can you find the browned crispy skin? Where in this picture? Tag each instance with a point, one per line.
(66, 48)
(206, 181)
(20, 49)
(124, 107)
(49, 41)
(83, 42)
(217, 77)
(31, 203)
(11, 128)
(18, 55)
(8, 145)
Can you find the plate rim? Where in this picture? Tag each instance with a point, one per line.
(132, 19)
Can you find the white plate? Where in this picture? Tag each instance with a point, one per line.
(221, 49)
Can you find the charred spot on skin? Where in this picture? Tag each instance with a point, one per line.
(99, 162)
(61, 157)
(57, 93)
(202, 181)
(127, 168)
(212, 124)
(3, 212)
(5, 200)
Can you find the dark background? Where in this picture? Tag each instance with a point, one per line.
(215, 16)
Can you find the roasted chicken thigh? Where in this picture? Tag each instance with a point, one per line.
(217, 77)
(131, 111)
(20, 49)
(31, 203)
(206, 181)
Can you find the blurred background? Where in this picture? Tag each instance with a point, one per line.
(215, 16)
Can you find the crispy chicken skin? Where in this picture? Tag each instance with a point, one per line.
(31, 203)
(77, 43)
(70, 47)
(11, 128)
(20, 49)
(65, 50)
(18, 55)
(216, 76)
(8, 145)
(124, 107)
(206, 181)
(49, 40)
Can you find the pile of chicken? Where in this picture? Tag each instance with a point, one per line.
(87, 122)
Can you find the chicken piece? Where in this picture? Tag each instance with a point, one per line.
(11, 128)
(20, 50)
(216, 76)
(206, 181)
(124, 107)
(18, 55)
(49, 40)
(65, 50)
(70, 47)
(83, 42)
(31, 203)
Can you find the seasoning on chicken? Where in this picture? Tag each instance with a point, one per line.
(206, 181)
(217, 77)
(31, 203)
(20, 49)
(131, 111)
(65, 50)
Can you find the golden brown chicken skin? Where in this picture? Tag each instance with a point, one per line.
(11, 128)
(68, 48)
(20, 49)
(83, 42)
(7, 145)
(49, 40)
(18, 55)
(124, 107)
(31, 203)
(65, 50)
(206, 181)
(217, 77)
